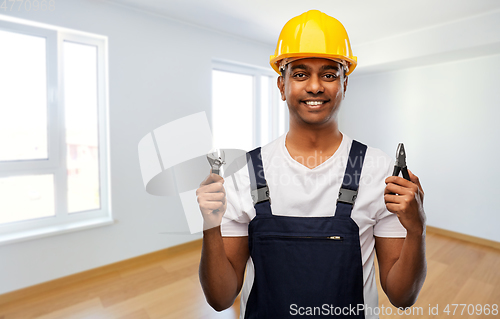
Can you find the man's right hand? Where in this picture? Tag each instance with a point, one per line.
(223, 259)
(212, 200)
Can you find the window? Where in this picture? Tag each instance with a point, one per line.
(247, 110)
(53, 142)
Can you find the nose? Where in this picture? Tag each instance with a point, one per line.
(314, 85)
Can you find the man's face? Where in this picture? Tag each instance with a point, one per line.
(314, 89)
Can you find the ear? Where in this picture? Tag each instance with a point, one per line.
(345, 84)
(281, 87)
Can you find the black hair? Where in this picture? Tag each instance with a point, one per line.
(283, 70)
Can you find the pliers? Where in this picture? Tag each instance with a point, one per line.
(400, 165)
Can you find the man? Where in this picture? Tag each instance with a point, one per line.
(306, 215)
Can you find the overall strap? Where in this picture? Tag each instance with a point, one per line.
(258, 183)
(349, 190)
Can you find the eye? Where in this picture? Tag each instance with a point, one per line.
(330, 76)
(299, 75)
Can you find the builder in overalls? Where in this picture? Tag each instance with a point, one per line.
(308, 210)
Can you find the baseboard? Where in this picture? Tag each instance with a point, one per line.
(169, 252)
(464, 237)
(92, 273)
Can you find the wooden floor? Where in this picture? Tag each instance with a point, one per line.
(458, 273)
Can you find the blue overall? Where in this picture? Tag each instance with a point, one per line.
(306, 261)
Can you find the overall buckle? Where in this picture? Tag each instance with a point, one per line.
(347, 196)
(260, 195)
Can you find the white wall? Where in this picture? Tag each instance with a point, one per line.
(470, 37)
(160, 70)
(447, 115)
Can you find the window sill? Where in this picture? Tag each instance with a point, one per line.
(54, 230)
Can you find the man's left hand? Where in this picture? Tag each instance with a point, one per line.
(405, 199)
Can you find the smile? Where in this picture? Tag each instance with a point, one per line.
(314, 104)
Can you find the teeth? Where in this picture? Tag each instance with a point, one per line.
(314, 102)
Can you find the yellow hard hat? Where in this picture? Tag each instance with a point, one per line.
(313, 34)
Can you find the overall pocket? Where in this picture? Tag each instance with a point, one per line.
(306, 270)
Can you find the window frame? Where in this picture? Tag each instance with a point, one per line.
(274, 98)
(52, 84)
(56, 165)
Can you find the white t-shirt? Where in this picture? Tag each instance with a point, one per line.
(297, 190)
